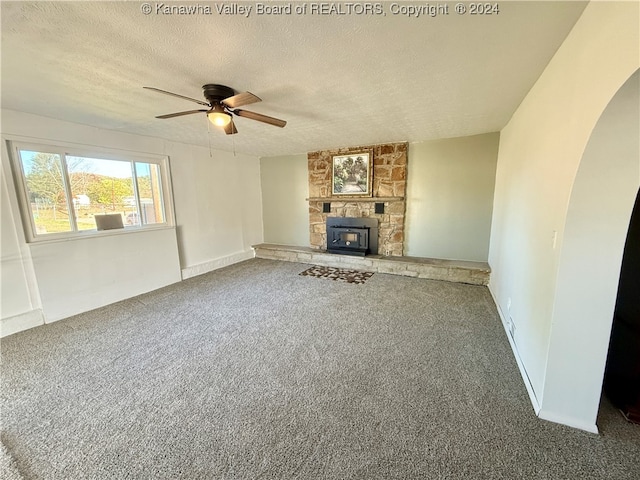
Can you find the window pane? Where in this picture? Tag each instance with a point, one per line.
(100, 186)
(150, 191)
(45, 190)
(58, 185)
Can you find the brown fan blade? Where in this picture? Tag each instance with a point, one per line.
(261, 118)
(176, 95)
(179, 114)
(230, 128)
(244, 98)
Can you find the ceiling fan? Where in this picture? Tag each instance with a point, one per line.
(222, 103)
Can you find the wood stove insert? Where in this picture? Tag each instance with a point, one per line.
(352, 236)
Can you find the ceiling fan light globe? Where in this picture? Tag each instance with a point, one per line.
(219, 119)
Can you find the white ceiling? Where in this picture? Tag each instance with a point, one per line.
(339, 80)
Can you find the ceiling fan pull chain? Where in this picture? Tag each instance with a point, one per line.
(209, 139)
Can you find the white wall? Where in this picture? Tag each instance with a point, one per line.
(450, 187)
(218, 217)
(20, 303)
(218, 204)
(285, 185)
(540, 151)
(79, 275)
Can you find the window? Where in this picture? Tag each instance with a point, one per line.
(64, 190)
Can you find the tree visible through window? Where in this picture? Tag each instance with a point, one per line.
(64, 192)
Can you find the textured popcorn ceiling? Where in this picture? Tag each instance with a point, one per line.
(339, 80)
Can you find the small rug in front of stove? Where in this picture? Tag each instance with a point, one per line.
(349, 276)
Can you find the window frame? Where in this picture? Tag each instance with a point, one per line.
(65, 150)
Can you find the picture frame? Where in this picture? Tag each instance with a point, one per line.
(352, 174)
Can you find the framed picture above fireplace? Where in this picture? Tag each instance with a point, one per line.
(352, 174)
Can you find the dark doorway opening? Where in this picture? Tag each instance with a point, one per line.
(622, 373)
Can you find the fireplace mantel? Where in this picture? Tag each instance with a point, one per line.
(355, 199)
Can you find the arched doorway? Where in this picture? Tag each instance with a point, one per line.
(595, 231)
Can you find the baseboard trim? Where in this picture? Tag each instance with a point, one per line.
(216, 264)
(570, 422)
(523, 371)
(19, 323)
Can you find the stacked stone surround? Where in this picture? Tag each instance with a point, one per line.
(388, 186)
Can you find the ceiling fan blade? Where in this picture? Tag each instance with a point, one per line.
(261, 118)
(176, 95)
(244, 98)
(230, 128)
(179, 114)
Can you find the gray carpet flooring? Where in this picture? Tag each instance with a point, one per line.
(256, 372)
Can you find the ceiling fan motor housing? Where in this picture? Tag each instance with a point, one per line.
(215, 93)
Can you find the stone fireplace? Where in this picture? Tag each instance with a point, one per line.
(386, 204)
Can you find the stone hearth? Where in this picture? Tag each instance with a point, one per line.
(475, 273)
